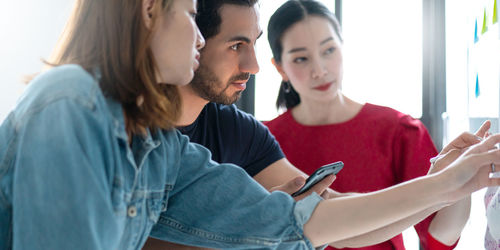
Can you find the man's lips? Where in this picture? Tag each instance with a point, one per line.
(242, 85)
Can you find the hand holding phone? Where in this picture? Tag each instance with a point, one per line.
(320, 174)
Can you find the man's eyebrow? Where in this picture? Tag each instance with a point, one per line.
(243, 38)
(239, 38)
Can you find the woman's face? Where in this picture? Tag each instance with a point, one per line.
(312, 59)
(175, 43)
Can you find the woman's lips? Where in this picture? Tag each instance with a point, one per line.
(323, 87)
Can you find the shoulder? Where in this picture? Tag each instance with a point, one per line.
(63, 82)
(386, 115)
(58, 87)
(280, 121)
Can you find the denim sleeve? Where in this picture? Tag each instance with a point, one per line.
(60, 190)
(220, 206)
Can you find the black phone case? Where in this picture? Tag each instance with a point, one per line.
(320, 174)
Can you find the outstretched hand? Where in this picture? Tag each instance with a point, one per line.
(458, 146)
(295, 184)
(471, 170)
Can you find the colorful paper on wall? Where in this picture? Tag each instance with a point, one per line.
(476, 38)
(495, 13)
(484, 94)
(485, 23)
(477, 91)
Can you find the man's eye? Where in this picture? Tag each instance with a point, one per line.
(235, 47)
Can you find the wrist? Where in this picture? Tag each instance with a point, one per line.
(438, 186)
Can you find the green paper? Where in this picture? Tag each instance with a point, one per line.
(485, 23)
(495, 13)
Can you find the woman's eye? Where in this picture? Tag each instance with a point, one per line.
(330, 50)
(299, 59)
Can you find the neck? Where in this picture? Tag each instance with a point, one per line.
(337, 110)
(192, 104)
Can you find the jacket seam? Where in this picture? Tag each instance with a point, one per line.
(214, 236)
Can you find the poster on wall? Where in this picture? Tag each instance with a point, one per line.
(484, 62)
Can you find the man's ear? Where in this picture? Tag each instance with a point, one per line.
(147, 12)
(280, 70)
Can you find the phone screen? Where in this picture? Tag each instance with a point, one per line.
(320, 174)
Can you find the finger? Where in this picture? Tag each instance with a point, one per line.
(492, 182)
(485, 145)
(484, 159)
(466, 139)
(290, 187)
(445, 160)
(483, 130)
(485, 172)
(319, 188)
(325, 195)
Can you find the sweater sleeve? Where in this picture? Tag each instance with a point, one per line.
(413, 147)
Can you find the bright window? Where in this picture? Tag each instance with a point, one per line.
(27, 38)
(472, 86)
(383, 53)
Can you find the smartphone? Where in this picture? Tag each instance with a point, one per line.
(320, 174)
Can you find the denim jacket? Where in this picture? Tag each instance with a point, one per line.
(69, 179)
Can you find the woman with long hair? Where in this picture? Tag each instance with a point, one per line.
(380, 146)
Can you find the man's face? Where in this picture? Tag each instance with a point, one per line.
(228, 59)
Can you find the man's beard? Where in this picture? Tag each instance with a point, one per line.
(206, 84)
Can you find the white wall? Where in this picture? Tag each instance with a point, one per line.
(29, 30)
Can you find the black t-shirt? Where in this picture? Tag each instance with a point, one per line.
(234, 136)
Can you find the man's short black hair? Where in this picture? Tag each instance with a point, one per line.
(208, 17)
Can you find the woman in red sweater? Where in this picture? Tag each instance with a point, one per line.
(380, 146)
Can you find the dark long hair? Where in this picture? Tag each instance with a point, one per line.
(286, 15)
(111, 35)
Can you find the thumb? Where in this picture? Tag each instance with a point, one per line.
(290, 187)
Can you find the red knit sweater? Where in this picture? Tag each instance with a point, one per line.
(380, 147)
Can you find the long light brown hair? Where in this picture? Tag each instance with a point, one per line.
(111, 36)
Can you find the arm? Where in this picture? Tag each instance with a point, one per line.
(384, 233)
(273, 175)
(449, 222)
(217, 196)
(281, 171)
(444, 223)
(470, 172)
(387, 232)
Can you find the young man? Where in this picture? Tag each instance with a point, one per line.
(231, 29)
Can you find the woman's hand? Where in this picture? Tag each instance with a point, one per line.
(471, 170)
(458, 146)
